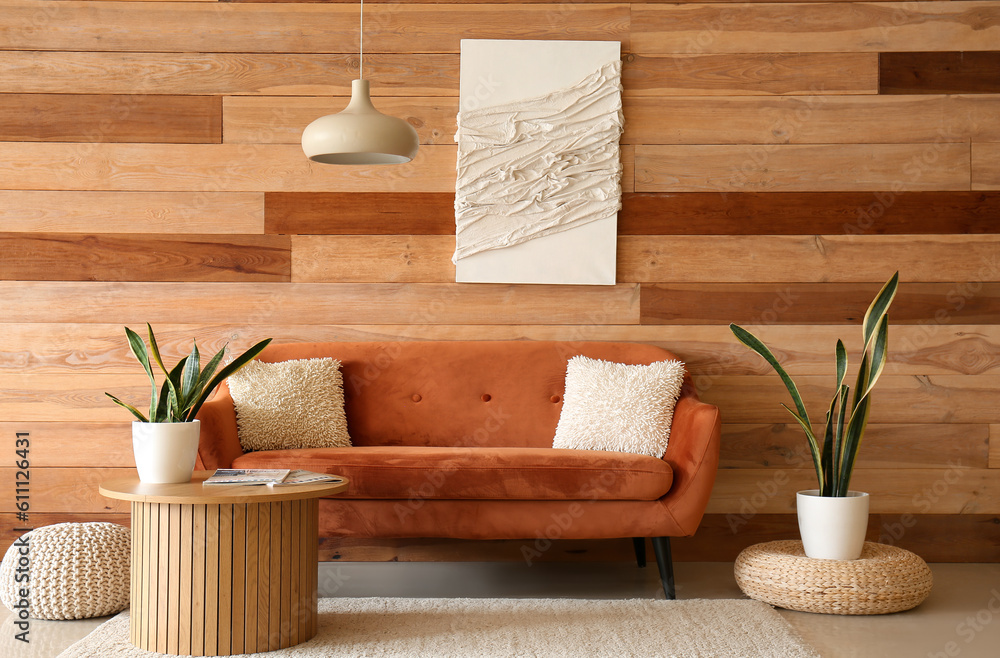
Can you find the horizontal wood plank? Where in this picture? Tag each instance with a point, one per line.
(677, 259)
(939, 73)
(11, 528)
(802, 168)
(742, 399)
(994, 461)
(208, 73)
(318, 303)
(816, 118)
(720, 538)
(109, 118)
(664, 213)
(301, 28)
(819, 213)
(65, 490)
(965, 537)
(373, 259)
(708, 350)
(813, 119)
(61, 211)
(628, 168)
(811, 258)
(103, 348)
(897, 399)
(52, 444)
(367, 213)
(211, 167)
(415, 76)
(934, 537)
(886, 446)
(442, 549)
(948, 490)
(506, 1)
(827, 27)
(986, 166)
(281, 119)
(116, 257)
(109, 444)
(61, 398)
(752, 73)
(926, 304)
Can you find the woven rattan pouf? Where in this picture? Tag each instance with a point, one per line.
(77, 571)
(884, 579)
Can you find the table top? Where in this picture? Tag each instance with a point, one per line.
(195, 493)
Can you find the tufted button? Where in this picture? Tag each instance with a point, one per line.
(416, 397)
(555, 398)
(487, 397)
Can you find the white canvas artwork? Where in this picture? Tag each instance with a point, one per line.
(539, 170)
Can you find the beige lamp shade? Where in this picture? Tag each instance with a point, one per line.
(359, 134)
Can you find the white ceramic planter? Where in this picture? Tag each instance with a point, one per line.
(832, 528)
(165, 453)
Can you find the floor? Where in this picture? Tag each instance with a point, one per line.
(961, 617)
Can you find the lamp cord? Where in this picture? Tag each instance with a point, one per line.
(362, 41)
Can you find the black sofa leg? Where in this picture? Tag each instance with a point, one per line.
(639, 544)
(661, 547)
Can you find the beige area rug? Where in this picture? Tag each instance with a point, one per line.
(406, 628)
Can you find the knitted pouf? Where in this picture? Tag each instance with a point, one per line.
(77, 571)
(884, 579)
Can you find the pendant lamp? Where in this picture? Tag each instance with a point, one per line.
(360, 134)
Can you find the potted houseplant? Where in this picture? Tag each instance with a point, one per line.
(832, 518)
(166, 442)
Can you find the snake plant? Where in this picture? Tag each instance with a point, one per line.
(845, 423)
(187, 385)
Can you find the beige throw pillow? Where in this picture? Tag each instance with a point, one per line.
(290, 404)
(618, 407)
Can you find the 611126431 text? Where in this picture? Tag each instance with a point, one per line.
(22, 502)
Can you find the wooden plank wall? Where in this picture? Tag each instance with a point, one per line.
(781, 159)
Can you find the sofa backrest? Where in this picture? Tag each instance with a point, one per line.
(458, 393)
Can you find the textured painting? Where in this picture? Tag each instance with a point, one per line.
(539, 171)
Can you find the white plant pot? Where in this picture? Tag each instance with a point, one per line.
(832, 528)
(165, 453)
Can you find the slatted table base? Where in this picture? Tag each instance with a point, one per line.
(215, 580)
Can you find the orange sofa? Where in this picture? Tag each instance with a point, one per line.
(454, 439)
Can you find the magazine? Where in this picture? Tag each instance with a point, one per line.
(306, 477)
(247, 476)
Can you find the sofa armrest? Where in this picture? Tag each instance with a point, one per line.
(219, 444)
(693, 454)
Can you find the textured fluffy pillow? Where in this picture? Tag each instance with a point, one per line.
(618, 407)
(290, 404)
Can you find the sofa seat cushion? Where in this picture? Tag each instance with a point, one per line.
(448, 473)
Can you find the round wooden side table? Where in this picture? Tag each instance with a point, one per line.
(221, 569)
(884, 579)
